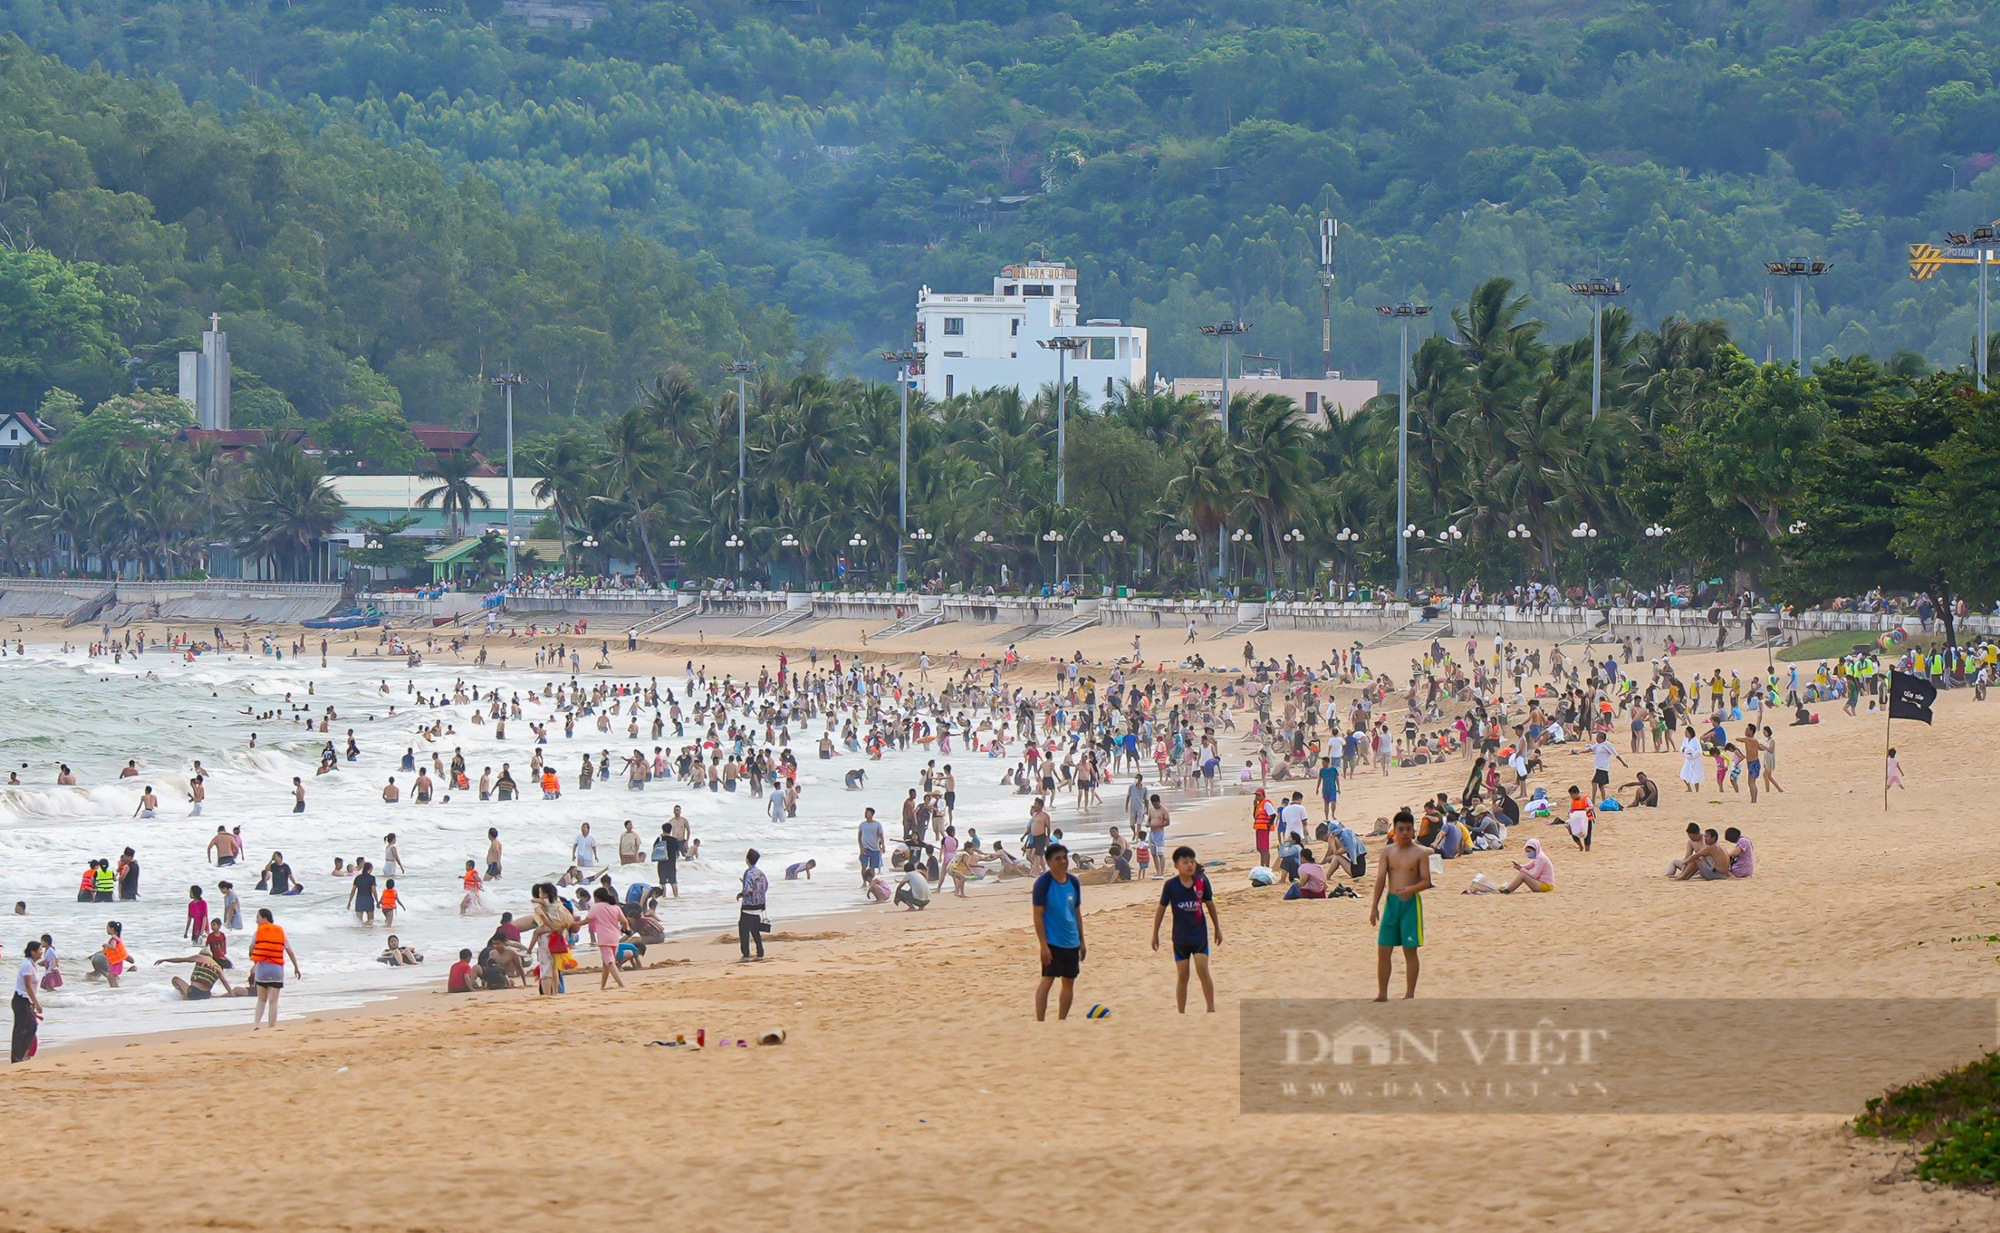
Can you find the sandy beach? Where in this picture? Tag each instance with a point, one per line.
(916, 1089)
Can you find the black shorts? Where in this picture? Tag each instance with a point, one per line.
(1035, 843)
(1064, 962)
(1187, 950)
(197, 995)
(1600, 777)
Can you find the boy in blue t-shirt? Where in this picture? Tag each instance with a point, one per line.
(1193, 904)
(1329, 788)
(1058, 901)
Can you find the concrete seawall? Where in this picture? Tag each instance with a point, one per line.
(118, 603)
(1688, 627)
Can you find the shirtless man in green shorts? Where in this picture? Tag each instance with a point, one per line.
(1406, 874)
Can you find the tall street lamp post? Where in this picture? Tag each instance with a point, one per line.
(1597, 290)
(742, 369)
(1062, 345)
(1403, 313)
(905, 359)
(1800, 271)
(1225, 330)
(1982, 239)
(507, 381)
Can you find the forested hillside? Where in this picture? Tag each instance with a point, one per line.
(359, 285)
(830, 156)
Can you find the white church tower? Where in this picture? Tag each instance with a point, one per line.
(205, 377)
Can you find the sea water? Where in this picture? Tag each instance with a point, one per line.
(164, 712)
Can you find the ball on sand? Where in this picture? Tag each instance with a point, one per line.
(1097, 1011)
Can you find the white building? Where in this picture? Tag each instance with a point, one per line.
(1318, 399)
(205, 377)
(977, 342)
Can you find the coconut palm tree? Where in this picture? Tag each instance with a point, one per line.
(636, 467)
(281, 508)
(568, 465)
(457, 494)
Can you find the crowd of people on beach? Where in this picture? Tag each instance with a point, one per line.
(1096, 731)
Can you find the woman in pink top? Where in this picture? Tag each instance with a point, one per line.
(197, 921)
(607, 925)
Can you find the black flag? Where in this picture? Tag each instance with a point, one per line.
(1910, 697)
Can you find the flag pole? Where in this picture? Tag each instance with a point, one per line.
(1888, 718)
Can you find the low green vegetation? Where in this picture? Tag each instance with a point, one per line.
(1954, 1117)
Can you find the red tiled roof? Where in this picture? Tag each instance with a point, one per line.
(441, 440)
(35, 427)
(231, 440)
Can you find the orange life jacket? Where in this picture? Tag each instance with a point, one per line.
(269, 945)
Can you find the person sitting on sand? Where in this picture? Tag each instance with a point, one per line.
(914, 891)
(1344, 849)
(1695, 843)
(1010, 866)
(463, 977)
(199, 985)
(1311, 882)
(501, 965)
(1647, 794)
(1710, 861)
(1537, 873)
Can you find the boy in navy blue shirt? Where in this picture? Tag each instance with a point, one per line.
(1058, 903)
(1193, 904)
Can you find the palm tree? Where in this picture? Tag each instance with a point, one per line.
(568, 466)
(1272, 465)
(457, 494)
(282, 507)
(636, 468)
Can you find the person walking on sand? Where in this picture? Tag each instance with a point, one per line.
(27, 1003)
(607, 924)
(1691, 761)
(1193, 903)
(1602, 754)
(1771, 783)
(1405, 874)
(268, 952)
(1058, 907)
(751, 902)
